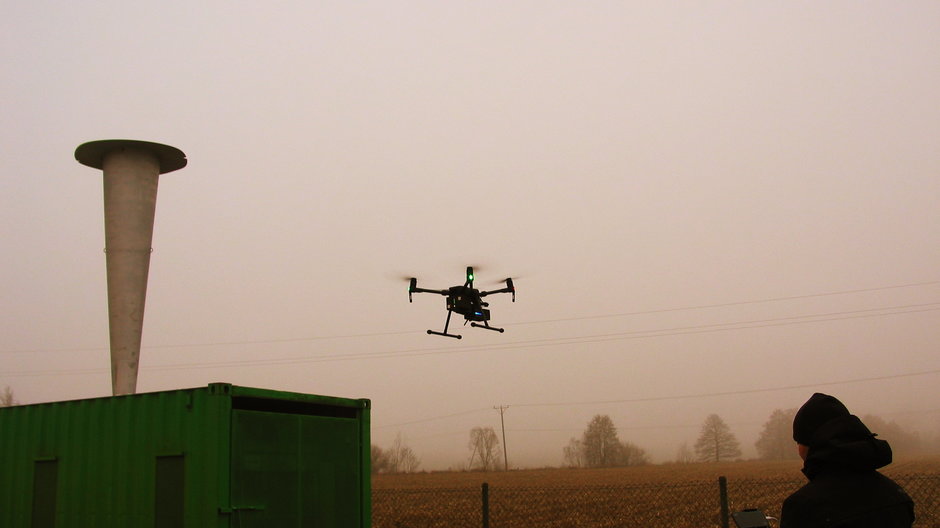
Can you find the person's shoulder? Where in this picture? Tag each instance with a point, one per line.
(798, 507)
(892, 489)
(799, 495)
(877, 475)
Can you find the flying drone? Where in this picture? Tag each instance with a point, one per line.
(466, 301)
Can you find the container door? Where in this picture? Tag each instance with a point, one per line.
(295, 470)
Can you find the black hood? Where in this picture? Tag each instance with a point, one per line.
(845, 443)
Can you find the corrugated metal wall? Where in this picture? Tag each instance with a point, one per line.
(102, 454)
(120, 461)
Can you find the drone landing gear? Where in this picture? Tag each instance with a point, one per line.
(445, 334)
(446, 324)
(487, 326)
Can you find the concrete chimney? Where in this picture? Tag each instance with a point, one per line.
(131, 172)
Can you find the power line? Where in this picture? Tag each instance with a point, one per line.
(634, 427)
(557, 341)
(722, 327)
(730, 393)
(734, 303)
(591, 338)
(681, 397)
(543, 321)
(432, 419)
(219, 343)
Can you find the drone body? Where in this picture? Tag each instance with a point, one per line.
(466, 301)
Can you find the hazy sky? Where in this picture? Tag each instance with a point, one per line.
(712, 207)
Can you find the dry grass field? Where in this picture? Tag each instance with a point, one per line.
(658, 473)
(674, 495)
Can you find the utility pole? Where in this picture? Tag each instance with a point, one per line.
(502, 424)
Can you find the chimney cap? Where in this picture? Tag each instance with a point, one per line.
(92, 153)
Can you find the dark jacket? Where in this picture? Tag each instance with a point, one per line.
(844, 490)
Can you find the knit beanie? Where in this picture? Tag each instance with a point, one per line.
(819, 409)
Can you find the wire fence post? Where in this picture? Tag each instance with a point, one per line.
(486, 505)
(723, 497)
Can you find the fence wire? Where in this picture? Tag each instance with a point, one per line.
(695, 504)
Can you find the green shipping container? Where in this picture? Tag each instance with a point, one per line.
(216, 456)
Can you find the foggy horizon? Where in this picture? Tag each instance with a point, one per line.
(714, 208)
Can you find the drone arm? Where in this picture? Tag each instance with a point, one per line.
(508, 289)
(425, 290)
(413, 288)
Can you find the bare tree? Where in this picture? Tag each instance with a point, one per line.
(484, 446)
(7, 399)
(632, 455)
(776, 439)
(717, 442)
(401, 458)
(684, 454)
(379, 459)
(601, 445)
(574, 453)
(903, 442)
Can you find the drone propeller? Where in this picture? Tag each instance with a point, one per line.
(508, 282)
(504, 281)
(398, 276)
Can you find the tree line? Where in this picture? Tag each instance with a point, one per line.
(599, 445)
(776, 438)
(399, 458)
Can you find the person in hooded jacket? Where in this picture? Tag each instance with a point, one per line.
(840, 458)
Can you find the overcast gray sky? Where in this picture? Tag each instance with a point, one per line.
(712, 207)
